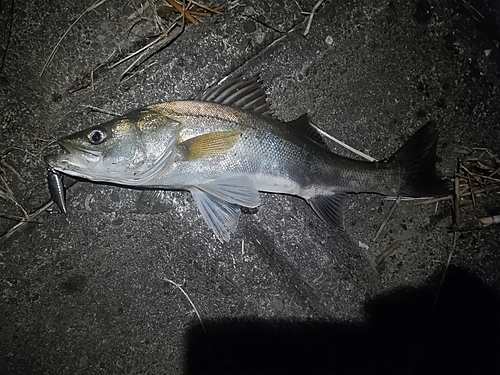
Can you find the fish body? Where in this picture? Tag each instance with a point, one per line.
(225, 148)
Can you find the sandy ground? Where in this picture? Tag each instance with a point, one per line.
(92, 292)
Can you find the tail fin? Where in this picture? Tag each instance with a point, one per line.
(417, 159)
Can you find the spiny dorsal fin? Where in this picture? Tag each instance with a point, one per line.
(246, 94)
(209, 145)
(304, 127)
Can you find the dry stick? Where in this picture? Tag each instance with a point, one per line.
(471, 188)
(200, 13)
(314, 9)
(456, 211)
(487, 221)
(137, 72)
(30, 217)
(3, 163)
(136, 52)
(387, 252)
(100, 110)
(494, 172)
(359, 153)
(190, 301)
(202, 6)
(181, 9)
(164, 35)
(92, 7)
(11, 217)
(441, 282)
(8, 194)
(490, 178)
(389, 214)
(419, 201)
(138, 11)
(168, 38)
(471, 174)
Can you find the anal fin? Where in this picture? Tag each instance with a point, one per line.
(330, 208)
(221, 216)
(153, 201)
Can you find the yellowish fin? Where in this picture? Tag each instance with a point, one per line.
(210, 145)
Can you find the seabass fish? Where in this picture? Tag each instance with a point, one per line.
(225, 147)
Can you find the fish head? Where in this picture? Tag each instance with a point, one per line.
(117, 151)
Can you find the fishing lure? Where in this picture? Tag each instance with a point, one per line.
(56, 188)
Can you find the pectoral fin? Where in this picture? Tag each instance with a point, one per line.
(209, 145)
(237, 190)
(221, 216)
(330, 208)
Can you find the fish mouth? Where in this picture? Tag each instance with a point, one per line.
(73, 159)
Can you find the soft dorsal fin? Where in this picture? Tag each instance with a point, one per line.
(304, 127)
(246, 94)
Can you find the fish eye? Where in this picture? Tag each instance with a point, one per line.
(96, 136)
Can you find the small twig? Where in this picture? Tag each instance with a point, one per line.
(181, 9)
(30, 217)
(100, 110)
(490, 220)
(441, 282)
(472, 174)
(190, 301)
(480, 223)
(165, 38)
(202, 6)
(9, 195)
(137, 52)
(3, 163)
(471, 189)
(388, 216)
(313, 11)
(387, 252)
(91, 8)
(490, 178)
(137, 72)
(456, 211)
(8, 32)
(494, 172)
(352, 149)
(420, 201)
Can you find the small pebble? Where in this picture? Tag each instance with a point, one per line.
(277, 304)
(249, 26)
(84, 361)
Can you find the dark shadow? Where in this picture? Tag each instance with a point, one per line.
(405, 333)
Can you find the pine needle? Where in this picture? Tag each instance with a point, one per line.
(190, 301)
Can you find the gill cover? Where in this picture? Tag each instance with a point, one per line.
(124, 150)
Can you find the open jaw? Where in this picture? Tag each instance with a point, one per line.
(73, 160)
